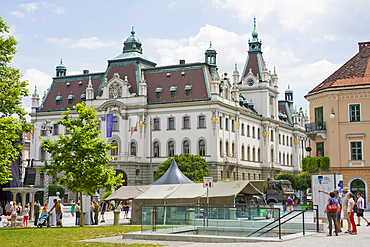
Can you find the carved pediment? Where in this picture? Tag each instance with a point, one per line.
(250, 79)
(117, 88)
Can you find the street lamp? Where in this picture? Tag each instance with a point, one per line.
(150, 147)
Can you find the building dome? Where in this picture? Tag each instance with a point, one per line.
(132, 43)
(289, 90)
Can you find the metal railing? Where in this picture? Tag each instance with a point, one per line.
(315, 126)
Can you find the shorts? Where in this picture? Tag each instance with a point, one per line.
(338, 216)
(102, 212)
(58, 217)
(126, 210)
(360, 213)
(346, 215)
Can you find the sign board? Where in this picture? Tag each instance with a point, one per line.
(207, 182)
(325, 182)
(282, 213)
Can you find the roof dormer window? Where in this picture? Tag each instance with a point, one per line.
(80, 83)
(187, 90)
(173, 91)
(68, 84)
(168, 75)
(158, 92)
(70, 99)
(58, 99)
(183, 74)
(83, 97)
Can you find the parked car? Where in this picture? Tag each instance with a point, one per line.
(309, 197)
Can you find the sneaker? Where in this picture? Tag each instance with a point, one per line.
(340, 231)
(358, 225)
(353, 233)
(348, 231)
(368, 224)
(102, 221)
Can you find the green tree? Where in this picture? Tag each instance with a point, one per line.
(80, 158)
(193, 166)
(288, 176)
(12, 89)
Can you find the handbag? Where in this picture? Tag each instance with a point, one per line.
(332, 207)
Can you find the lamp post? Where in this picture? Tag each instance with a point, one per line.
(150, 147)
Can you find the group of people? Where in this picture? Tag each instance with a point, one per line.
(16, 210)
(336, 204)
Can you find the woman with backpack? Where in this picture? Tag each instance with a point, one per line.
(332, 209)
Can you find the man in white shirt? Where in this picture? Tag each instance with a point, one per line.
(360, 209)
(344, 207)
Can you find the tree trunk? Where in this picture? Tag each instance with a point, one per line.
(81, 210)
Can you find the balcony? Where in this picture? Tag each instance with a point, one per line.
(315, 128)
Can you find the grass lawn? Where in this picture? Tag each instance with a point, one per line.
(66, 236)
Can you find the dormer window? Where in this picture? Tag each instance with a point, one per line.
(70, 99)
(168, 75)
(183, 74)
(80, 83)
(58, 99)
(68, 84)
(158, 92)
(187, 90)
(83, 97)
(173, 91)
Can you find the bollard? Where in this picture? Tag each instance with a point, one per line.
(116, 217)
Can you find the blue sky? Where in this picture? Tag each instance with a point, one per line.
(305, 40)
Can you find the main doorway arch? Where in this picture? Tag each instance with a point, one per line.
(358, 184)
(124, 176)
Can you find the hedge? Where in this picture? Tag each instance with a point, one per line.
(311, 163)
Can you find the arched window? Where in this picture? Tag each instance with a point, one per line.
(156, 149)
(221, 151)
(232, 150)
(279, 157)
(202, 148)
(186, 147)
(283, 158)
(133, 148)
(272, 155)
(156, 124)
(248, 153)
(291, 159)
(171, 149)
(253, 154)
(227, 149)
(243, 153)
(114, 152)
(115, 123)
(259, 155)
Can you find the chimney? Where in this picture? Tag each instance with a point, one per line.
(363, 45)
(85, 71)
(182, 61)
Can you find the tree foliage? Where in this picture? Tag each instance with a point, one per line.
(12, 89)
(193, 166)
(301, 181)
(312, 163)
(80, 159)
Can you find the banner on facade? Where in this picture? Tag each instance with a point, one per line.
(133, 122)
(109, 125)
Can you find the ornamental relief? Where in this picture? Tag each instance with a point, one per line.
(115, 90)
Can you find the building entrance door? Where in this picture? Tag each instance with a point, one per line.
(358, 185)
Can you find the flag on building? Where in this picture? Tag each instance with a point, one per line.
(109, 125)
(133, 122)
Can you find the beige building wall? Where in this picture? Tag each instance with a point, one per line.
(340, 131)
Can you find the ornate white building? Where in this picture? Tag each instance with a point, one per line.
(237, 124)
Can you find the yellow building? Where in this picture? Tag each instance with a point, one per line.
(340, 121)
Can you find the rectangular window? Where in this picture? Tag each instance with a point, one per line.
(319, 115)
(354, 113)
(232, 126)
(291, 141)
(186, 123)
(55, 129)
(253, 132)
(220, 122)
(242, 129)
(156, 124)
(259, 133)
(320, 152)
(171, 123)
(158, 95)
(226, 123)
(248, 131)
(187, 92)
(201, 122)
(173, 94)
(272, 135)
(43, 131)
(115, 124)
(279, 139)
(58, 102)
(356, 151)
(70, 101)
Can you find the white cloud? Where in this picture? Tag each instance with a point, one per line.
(172, 4)
(17, 13)
(89, 43)
(30, 7)
(59, 10)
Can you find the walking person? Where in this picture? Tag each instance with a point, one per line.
(58, 211)
(78, 213)
(36, 208)
(104, 207)
(25, 214)
(13, 215)
(351, 204)
(332, 208)
(73, 208)
(339, 199)
(96, 212)
(289, 203)
(92, 212)
(360, 209)
(344, 207)
(126, 206)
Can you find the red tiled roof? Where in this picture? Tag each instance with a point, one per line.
(193, 76)
(60, 86)
(353, 73)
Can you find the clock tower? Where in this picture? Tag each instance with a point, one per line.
(255, 44)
